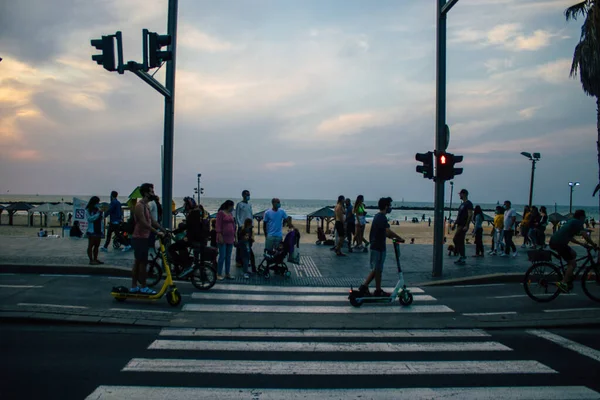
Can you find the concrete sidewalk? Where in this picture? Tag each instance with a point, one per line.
(319, 266)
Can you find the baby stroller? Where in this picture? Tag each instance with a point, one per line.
(274, 260)
(121, 236)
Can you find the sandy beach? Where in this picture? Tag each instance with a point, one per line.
(421, 232)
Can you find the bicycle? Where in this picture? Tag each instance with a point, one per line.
(203, 274)
(543, 275)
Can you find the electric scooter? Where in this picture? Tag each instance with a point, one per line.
(358, 298)
(121, 293)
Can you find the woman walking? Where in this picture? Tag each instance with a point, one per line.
(225, 227)
(534, 226)
(95, 228)
(542, 227)
(361, 222)
(498, 232)
(478, 218)
(245, 239)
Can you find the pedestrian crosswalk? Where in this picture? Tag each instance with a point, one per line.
(295, 299)
(265, 364)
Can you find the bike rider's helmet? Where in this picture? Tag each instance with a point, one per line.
(189, 203)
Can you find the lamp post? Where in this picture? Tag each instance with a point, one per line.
(450, 211)
(535, 157)
(572, 186)
(198, 188)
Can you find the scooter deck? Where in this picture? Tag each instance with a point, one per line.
(135, 296)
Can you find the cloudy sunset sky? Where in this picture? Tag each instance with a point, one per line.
(296, 99)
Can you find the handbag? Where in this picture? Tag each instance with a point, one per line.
(294, 257)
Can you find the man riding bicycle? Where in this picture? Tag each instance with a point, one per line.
(559, 242)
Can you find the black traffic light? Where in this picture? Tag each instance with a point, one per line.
(427, 168)
(107, 46)
(445, 165)
(155, 54)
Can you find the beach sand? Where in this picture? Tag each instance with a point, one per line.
(421, 232)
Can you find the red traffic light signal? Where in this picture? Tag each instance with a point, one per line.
(445, 166)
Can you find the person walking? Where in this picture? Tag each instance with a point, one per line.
(95, 227)
(361, 222)
(243, 211)
(273, 225)
(225, 238)
(350, 223)
(478, 230)
(463, 220)
(534, 227)
(510, 220)
(525, 227)
(498, 232)
(340, 215)
(245, 239)
(542, 227)
(144, 226)
(115, 212)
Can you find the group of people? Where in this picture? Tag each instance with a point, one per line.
(350, 220)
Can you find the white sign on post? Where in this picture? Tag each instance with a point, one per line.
(79, 213)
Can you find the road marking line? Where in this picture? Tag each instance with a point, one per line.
(291, 289)
(135, 310)
(566, 343)
(524, 295)
(351, 333)
(66, 275)
(50, 305)
(279, 297)
(324, 368)
(476, 286)
(489, 313)
(6, 273)
(227, 345)
(463, 393)
(386, 309)
(21, 286)
(573, 309)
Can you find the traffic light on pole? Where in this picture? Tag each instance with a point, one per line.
(155, 54)
(445, 165)
(456, 160)
(427, 168)
(107, 46)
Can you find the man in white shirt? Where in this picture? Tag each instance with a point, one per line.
(510, 221)
(243, 211)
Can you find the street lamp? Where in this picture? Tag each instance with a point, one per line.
(572, 186)
(198, 188)
(535, 157)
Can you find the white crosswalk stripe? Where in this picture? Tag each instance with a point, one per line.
(203, 352)
(230, 298)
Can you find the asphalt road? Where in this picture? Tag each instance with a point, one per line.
(74, 362)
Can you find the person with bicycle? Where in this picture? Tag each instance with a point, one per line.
(560, 240)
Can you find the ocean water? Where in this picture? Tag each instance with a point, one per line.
(299, 208)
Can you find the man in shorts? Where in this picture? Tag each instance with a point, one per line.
(340, 216)
(559, 242)
(144, 225)
(380, 230)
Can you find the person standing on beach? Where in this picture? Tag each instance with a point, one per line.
(510, 219)
(478, 230)
(340, 216)
(361, 222)
(350, 223)
(463, 220)
(498, 232)
(225, 238)
(380, 230)
(94, 217)
(243, 211)
(273, 225)
(144, 226)
(116, 218)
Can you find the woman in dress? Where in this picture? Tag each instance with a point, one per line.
(95, 229)
(226, 239)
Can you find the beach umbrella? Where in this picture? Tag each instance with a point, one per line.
(555, 218)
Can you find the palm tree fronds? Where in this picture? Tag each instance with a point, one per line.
(576, 9)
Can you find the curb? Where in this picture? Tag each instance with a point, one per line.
(510, 277)
(66, 270)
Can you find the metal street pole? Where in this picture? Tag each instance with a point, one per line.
(450, 211)
(198, 189)
(571, 200)
(167, 178)
(440, 134)
(533, 161)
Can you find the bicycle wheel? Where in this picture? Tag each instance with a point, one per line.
(540, 281)
(154, 274)
(203, 276)
(590, 282)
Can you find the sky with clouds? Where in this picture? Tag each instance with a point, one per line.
(296, 99)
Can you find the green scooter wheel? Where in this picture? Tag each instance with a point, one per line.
(173, 298)
(406, 298)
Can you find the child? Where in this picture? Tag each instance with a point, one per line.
(245, 237)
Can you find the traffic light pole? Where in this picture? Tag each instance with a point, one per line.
(441, 142)
(167, 178)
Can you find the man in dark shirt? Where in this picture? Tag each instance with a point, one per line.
(463, 220)
(116, 217)
(350, 223)
(380, 230)
(560, 240)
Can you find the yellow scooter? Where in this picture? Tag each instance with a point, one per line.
(121, 293)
